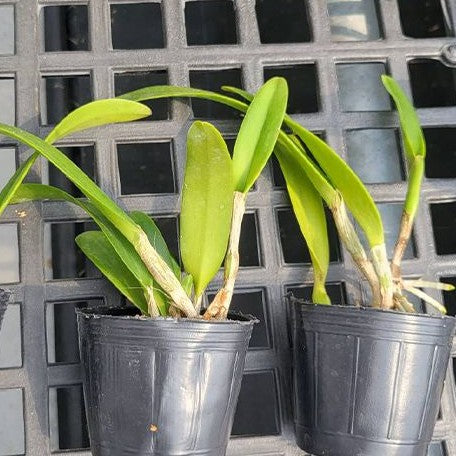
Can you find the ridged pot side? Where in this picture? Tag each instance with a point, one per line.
(161, 386)
(367, 382)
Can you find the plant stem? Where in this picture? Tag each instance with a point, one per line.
(151, 304)
(382, 268)
(219, 307)
(164, 276)
(198, 303)
(404, 236)
(352, 243)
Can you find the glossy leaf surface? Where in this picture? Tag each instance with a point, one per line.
(207, 202)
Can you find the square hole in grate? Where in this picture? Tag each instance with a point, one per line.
(9, 259)
(146, 168)
(66, 28)
(62, 331)
(437, 449)
(62, 94)
(137, 26)
(283, 21)
(294, 248)
(252, 303)
(441, 152)
(210, 22)
(8, 164)
(443, 217)
(7, 29)
(360, 87)
(433, 83)
(8, 100)
(257, 411)
(249, 251)
(84, 157)
(379, 146)
(126, 82)
(423, 19)
(449, 297)
(213, 80)
(336, 292)
(11, 337)
(67, 419)
(302, 84)
(63, 258)
(354, 20)
(12, 436)
(391, 214)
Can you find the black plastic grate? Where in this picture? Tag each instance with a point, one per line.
(324, 54)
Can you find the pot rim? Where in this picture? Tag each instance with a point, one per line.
(354, 309)
(100, 312)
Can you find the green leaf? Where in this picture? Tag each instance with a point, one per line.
(412, 133)
(96, 113)
(258, 133)
(207, 203)
(93, 114)
(101, 201)
(124, 249)
(98, 249)
(414, 142)
(344, 179)
(156, 239)
(308, 208)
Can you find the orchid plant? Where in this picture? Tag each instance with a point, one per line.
(128, 248)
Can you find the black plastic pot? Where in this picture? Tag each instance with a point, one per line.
(367, 382)
(160, 387)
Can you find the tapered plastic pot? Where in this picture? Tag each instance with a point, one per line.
(367, 382)
(160, 387)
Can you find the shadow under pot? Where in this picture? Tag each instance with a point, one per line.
(160, 386)
(367, 382)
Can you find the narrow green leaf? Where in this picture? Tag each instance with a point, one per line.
(308, 208)
(98, 249)
(344, 179)
(410, 125)
(414, 142)
(156, 239)
(96, 113)
(93, 114)
(101, 201)
(124, 249)
(207, 203)
(258, 133)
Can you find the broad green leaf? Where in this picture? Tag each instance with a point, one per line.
(308, 208)
(258, 133)
(93, 114)
(124, 249)
(207, 202)
(100, 200)
(414, 142)
(99, 250)
(343, 178)
(97, 113)
(156, 239)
